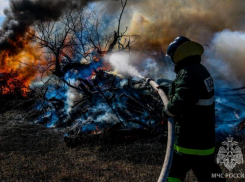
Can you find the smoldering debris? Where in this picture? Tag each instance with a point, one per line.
(106, 100)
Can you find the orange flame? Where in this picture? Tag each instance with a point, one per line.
(98, 131)
(28, 60)
(25, 63)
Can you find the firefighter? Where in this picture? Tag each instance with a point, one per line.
(192, 104)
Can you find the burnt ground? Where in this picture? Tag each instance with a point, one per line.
(30, 152)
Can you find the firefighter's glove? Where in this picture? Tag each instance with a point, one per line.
(164, 115)
(161, 87)
(164, 88)
(148, 80)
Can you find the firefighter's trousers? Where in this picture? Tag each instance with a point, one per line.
(204, 168)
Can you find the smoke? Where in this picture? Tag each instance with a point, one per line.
(226, 55)
(98, 117)
(140, 65)
(158, 22)
(72, 97)
(22, 14)
(122, 63)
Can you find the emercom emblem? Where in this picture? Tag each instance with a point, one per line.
(209, 84)
(230, 154)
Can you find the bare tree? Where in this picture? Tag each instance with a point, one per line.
(77, 36)
(72, 41)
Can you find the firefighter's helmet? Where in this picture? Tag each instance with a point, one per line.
(182, 48)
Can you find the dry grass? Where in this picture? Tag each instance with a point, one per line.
(31, 152)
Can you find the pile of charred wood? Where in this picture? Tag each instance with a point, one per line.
(120, 107)
(124, 108)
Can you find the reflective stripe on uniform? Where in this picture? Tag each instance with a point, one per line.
(171, 179)
(194, 151)
(206, 102)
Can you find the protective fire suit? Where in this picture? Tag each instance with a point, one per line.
(191, 103)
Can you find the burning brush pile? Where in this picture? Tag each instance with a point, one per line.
(95, 99)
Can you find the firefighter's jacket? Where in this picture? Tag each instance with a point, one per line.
(191, 102)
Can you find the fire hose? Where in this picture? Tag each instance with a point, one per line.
(170, 143)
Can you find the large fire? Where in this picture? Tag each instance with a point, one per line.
(24, 65)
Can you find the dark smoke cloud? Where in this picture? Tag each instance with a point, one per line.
(23, 13)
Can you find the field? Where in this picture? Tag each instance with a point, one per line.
(30, 152)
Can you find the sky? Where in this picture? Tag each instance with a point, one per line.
(3, 4)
